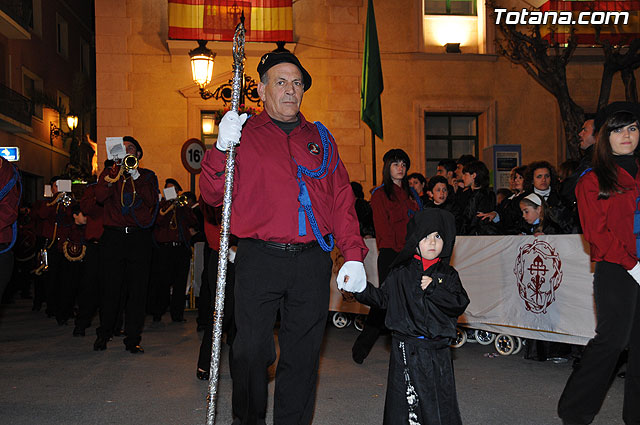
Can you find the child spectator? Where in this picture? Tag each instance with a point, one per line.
(423, 296)
(533, 213)
(439, 196)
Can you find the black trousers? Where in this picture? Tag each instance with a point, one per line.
(126, 260)
(89, 288)
(67, 289)
(52, 279)
(375, 319)
(617, 299)
(228, 324)
(170, 270)
(297, 283)
(6, 267)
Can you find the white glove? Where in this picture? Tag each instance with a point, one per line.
(229, 130)
(134, 174)
(352, 277)
(635, 272)
(231, 256)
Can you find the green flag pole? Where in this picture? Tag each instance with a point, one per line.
(372, 86)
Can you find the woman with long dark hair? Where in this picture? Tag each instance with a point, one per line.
(393, 204)
(608, 201)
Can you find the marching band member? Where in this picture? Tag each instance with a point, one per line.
(130, 198)
(174, 227)
(9, 200)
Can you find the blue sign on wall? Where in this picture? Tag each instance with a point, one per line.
(10, 154)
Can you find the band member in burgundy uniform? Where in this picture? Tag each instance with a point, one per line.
(57, 220)
(175, 224)
(130, 200)
(9, 201)
(291, 199)
(607, 198)
(89, 285)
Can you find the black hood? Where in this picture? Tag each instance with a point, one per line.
(423, 224)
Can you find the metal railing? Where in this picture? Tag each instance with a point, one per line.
(15, 106)
(20, 11)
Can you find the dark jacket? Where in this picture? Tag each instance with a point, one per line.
(431, 313)
(468, 222)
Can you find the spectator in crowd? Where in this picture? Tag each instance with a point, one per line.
(418, 183)
(447, 169)
(439, 196)
(541, 178)
(393, 205)
(533, 207)
(363, 211)
(471, 220)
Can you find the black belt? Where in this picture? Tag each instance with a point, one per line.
(170, 243)
(125, 229)
(288, 247)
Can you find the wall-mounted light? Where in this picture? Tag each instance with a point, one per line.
(452, 48)
(72, 122)
(202, 60)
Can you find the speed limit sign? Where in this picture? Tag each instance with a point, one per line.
(192, 155)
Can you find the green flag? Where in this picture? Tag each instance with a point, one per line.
(370, 110)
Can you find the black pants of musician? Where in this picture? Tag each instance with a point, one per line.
(228, 324)
(204, 297)
(89, 288)
(126, 260)
(170, 270)
(6, 267)
(617, 299)
(66, 293)
(375, 319)
(297, 283)
(52, 279)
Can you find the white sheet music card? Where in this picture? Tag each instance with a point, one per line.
(47, 191)
(115, 148)
(64, 185)
(170, 193)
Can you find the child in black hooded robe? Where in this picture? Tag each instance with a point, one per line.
(423, 296)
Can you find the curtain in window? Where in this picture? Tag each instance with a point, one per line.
(265, 20)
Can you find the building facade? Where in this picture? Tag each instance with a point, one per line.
(435, 104)
(46, 51)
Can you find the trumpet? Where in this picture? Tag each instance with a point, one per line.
(181, 201)
(65, 199)
(129, 163)
(43, 262)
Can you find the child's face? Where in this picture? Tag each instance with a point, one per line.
(398, 170)
(416, 185)
(529, 213)
(439, 193)
(431, 246)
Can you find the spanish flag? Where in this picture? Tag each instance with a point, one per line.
(603, 13)
(265, 20)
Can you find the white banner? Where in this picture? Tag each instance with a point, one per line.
(532, 287)
(526, 286)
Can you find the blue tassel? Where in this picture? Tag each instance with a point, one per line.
(302, 224)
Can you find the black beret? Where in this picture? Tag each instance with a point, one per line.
(134, 142)
(271, 59)
(612, 108)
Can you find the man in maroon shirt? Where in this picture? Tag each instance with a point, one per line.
(291, 198)
(9, 200)
(130, 202)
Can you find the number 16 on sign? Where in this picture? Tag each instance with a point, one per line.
(192, 155)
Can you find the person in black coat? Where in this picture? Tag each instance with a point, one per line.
(423, 296)
(479, 201)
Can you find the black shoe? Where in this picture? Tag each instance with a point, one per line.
(134, 349)
(100, 344)
(118, 332)
(78, 332)
(202, 375)
(622, 374)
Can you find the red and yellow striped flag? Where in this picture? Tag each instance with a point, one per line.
(616, 33)
(265, 20)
